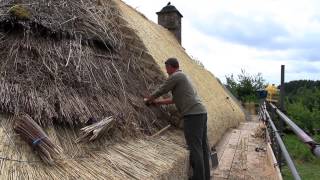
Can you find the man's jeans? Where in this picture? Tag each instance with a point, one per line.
(195, 131)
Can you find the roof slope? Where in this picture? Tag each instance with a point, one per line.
(223, 112)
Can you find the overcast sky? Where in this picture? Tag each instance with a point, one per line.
(255, 35)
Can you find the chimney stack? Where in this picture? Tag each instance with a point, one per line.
(170, 18)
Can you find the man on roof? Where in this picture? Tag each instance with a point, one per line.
(188, 103)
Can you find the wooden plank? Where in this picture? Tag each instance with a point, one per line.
(239, 158)
(223, 170)
(257, 168)
(272, 162)
(222, 144)
(239, 165)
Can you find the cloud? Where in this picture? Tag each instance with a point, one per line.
(265, 33)
(255, 35)
(257, 32)
(311, 54)
(260, 31)
(296, 70)
(308, 69)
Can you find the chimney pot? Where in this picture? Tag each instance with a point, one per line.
(170, 18)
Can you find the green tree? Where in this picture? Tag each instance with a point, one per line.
(245, 86)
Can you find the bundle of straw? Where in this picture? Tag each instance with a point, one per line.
(95, 130)
(33, 134)
(260, 132)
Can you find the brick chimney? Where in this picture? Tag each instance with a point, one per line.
(170, 18)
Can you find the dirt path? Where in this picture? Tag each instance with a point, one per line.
(238, 158)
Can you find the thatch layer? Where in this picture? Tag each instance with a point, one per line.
(158, 158)
(68, 61)
(89, 20)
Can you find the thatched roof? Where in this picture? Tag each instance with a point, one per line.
(64, 62)
(67, 61)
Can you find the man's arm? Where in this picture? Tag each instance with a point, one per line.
(167, 86)
(163, 101)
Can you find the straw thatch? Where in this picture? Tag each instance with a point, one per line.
(162, 157)
(69, 61)
(93, 131)
(223, 111)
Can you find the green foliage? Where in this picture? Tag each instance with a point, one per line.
(306, 163)
(292, 86)
(298, 150)
(245, 86)
(303, 106)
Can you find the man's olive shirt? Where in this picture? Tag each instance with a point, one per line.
(184, 94)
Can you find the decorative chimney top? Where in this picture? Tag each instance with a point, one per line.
(170, 18)
(168, 9)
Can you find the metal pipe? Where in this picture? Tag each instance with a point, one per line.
(296, 129)
(305, 138)
(284, 151)
(316, 150)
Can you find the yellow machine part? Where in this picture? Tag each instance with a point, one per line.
(273, 93)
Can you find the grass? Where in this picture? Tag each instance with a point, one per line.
(306, 163)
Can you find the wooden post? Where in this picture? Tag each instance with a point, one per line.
(282, 108)
(282, 93)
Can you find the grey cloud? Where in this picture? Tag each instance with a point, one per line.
(263, 34)
(244, 30)
(304, 68)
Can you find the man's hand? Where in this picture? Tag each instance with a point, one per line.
(148, 100)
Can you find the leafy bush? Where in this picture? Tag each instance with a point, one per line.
(245, 86)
